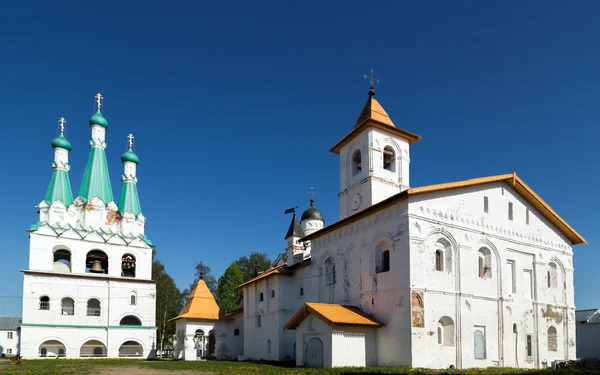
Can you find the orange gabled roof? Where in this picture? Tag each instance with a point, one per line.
(279, 270)
(373, 115)
(512, 179)
(200, 304)
(333, 314)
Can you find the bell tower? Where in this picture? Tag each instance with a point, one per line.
(374, 158)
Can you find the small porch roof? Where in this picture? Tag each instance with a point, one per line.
(333, 314)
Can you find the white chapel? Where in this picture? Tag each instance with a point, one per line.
(88, 290)
(472, 273)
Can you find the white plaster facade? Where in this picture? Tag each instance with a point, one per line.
(9, 342)
(468, 276)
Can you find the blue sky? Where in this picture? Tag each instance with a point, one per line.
(234, 106)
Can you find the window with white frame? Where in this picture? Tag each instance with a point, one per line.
(8, 351)
(356, 163)
(479, 342)
(485, 263)
(552, 341)
(9, 335)
(552, 275)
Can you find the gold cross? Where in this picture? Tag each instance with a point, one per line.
(61, 123)
(98, 97)
(130, 137)
(372, 79)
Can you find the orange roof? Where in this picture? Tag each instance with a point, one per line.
(200, 304)
(333, 314)
(512, 179)
(279, 270)
(374, 115)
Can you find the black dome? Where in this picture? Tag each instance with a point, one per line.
(312, 213)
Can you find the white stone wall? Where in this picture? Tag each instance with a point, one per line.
(73, 339)
(11, 344)
(588, 336)
(351, 346)
(455, 222)
(309, 328)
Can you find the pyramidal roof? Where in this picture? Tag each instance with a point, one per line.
(375, 112)
(200, 304)
(295, 229)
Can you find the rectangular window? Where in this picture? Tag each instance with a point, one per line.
(485, 205)
(529, 347)
(8, 351)
(527, 287)
(527, 216)
(512, 272)
(510, 211)
(9, 335)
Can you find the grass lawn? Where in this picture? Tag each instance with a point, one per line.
(141, 367)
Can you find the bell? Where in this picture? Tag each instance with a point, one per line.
(96, 266)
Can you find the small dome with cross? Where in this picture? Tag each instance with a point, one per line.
(130, 156)
(312, 213)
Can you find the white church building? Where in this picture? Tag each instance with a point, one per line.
(88, 290)
(473, 273)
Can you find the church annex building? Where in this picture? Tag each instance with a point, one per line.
(473, 273)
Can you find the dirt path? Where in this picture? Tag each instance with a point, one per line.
(146, 371)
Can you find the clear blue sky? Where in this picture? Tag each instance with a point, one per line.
(235, 105)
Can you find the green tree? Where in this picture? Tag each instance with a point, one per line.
(227, 295)
(209, 279)
(169, 301)
(253, 264)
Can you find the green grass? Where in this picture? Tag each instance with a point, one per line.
(86, 366)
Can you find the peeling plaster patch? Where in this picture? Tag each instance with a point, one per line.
(552, 315)
(418, 313)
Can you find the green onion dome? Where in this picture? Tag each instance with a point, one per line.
(61, 142)
(98, 119)
(130, 156)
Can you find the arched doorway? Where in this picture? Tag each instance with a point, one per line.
(200, 343)
(212, 340)
(313, 354)
(131, 349)
(92, 348)
(52, 348)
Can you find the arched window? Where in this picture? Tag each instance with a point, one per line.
(356, 163)
(131, 349)
(272, 293)
(485, 263)
(44, 303)
(443, 256)
(96, 261)
(385, 261)
(261, 297)
(130, 320)
(268, 346)
(62, 261)
(67, 306)
(93, 307)
(552, 275)
(389, 159)
(92, 348)
(479, 344)
(382, 257)
(552, 342)
(258, 321)
(446, 331)
(43, 352)
(133, 299)
(439, 260)
(128, 265)
(329, 271)
(236, 332)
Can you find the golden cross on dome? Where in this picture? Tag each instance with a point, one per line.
(130, 137)
(61, 123)
(98, 98)
(371, 79)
